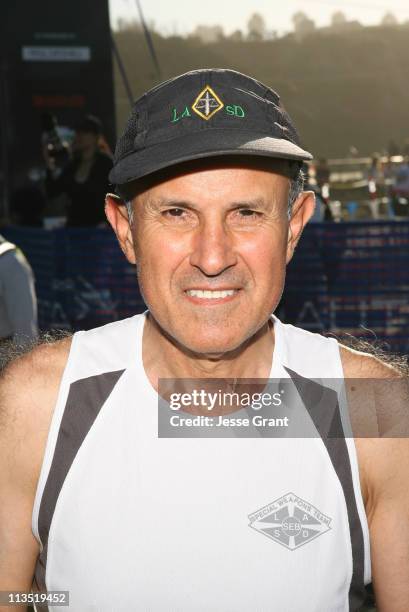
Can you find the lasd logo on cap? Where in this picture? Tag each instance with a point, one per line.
(206, 105)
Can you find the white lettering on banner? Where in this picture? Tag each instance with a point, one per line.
(394, 314)
(310, 312)
(56, 54)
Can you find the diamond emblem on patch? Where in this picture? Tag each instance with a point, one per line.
(207, 103)
(290, 521)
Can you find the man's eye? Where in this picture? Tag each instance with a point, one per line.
(247, 213)
(174, 212)
(176, 216)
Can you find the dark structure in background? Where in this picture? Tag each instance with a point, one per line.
(55, 58)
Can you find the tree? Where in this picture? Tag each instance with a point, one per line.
(303, 25)
(272, 35)
(128, 25)
(298, 18)
(237, 36)
(389, 19)
(338, 19)
(256, 27)
(208, 34)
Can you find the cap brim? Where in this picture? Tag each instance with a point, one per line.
(211, 143)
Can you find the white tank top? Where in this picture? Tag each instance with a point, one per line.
(128, 521)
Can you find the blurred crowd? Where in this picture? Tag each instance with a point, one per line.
(70, 190)
(361, 189)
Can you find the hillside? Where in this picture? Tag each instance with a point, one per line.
(342, 89)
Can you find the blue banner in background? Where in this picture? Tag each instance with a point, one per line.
(352, 278)
(82, 277)
(344, 278)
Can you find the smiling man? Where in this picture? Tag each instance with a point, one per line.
(210, 207)
(201, 236)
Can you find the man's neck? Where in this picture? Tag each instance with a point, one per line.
(164, 358)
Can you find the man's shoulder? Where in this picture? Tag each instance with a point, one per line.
(376, 388)
(14, 262)
(29, 386)
(359, 363)
(378, 407)
(28, 381)
(46, 356)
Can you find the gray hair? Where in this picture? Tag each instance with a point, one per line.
(129, 208)
(296, 189)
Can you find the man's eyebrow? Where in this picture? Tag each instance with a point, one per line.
(157, 203)
(256, 204)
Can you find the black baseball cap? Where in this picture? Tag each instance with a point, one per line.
(204, 113)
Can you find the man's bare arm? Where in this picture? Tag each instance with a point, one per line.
(388, 518)
(28, 392)
(384, 473)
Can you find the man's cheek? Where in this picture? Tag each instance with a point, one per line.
(263, 245)
(175, 246)
(264, 261)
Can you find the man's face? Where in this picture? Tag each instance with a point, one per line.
(211, 248)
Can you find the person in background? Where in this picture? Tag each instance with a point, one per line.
(374, 176)
(393, 148)
(18, 302)
(375, 170)
(401, 188)
(322, 178)
(405, 148)
(85, 177)
(322, 172)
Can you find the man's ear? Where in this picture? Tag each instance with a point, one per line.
(302, 211)
(117, 215)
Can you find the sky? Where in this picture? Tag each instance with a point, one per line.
(182, 16)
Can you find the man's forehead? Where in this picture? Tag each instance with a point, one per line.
(201, 168)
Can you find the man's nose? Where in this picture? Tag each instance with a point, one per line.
(212, 248)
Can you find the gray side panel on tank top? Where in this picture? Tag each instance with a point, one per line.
(85, 400)
(333, 436)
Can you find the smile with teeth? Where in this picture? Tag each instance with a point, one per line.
(211, 295)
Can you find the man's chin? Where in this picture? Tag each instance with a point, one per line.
(211, 348)
(207, 341)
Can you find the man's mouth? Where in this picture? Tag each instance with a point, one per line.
(211, 294)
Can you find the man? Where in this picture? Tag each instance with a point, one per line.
(97, 501)
(18, 302)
